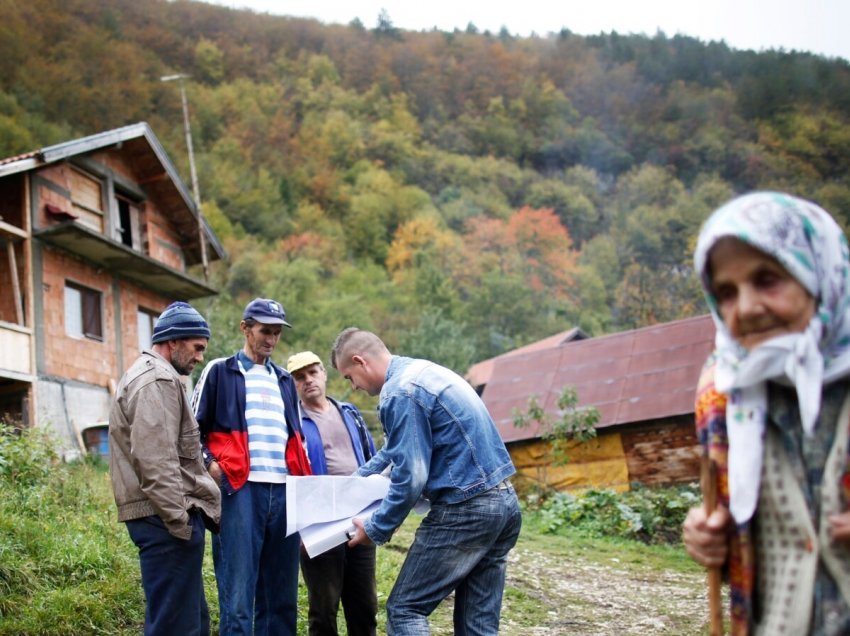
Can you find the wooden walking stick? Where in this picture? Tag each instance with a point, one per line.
(708, 478)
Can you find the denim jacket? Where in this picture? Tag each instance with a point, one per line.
(441, 442)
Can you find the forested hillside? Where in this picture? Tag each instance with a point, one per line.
(461, 193)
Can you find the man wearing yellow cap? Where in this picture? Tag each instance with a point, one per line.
(338, 442)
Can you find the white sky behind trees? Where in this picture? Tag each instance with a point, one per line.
(818, 26)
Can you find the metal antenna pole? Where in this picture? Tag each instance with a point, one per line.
(195, 190)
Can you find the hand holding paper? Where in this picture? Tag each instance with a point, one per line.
(322, 507)
(358, 535)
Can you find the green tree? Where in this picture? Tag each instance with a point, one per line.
(210, 61)
(379, 204)
(576, 211)
(571, 424)
(385, 28)
(440, 339)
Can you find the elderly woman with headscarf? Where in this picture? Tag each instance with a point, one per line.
(773, 413)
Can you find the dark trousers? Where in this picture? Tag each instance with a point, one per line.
(171, 577)
(346, 574)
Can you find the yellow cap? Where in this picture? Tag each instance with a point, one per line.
(300, 360)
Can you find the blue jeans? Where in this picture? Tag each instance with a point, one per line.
(256, 564)
(346, 574)
(460, 547)
(171, 577)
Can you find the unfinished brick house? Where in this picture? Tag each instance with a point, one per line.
(97, 235)
(642, 383)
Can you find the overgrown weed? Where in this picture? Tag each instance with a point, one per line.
(65, 563)
(67, 566)
(648, 515)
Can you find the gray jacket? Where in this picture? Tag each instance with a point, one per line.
(155, 450)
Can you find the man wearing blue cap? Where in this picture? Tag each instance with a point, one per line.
(247, 408)
(162, 490)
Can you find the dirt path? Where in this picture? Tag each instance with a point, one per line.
(578, 597)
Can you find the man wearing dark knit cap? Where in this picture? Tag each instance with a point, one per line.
(162, 490)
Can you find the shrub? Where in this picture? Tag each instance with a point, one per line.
(572, 424)
(26, 456)
(650, 515)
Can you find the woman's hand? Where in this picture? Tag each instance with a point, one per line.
(705, 537)
(839, 527)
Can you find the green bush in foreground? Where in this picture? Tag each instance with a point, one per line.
(650, 515)
(26, 456)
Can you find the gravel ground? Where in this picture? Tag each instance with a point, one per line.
(592, 598)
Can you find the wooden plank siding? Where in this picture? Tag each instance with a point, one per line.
(642, 383)
(599, 463)
(663, 452)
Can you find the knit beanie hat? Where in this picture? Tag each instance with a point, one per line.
(179, 320)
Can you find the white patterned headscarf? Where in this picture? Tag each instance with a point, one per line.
(808, 242)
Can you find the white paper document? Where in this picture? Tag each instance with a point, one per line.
(321, 507)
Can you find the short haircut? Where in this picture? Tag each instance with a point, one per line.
(251, 323)
(355, 341)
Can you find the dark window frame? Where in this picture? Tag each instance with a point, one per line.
(91, 311)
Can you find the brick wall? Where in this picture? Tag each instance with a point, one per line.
(85, 359)
(57, 175)
(132, 298)
(115, 161)
(163, 242)
(67, 356)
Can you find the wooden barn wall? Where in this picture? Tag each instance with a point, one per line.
(655, 454)
(599, 463)
(662, 452)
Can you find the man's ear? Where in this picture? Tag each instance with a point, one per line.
(170, 348)
(360, 361)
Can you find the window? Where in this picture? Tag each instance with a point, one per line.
(146, 320)
(83, 313)
(129, 223)
(87, 199)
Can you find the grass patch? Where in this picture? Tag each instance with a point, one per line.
(67, 566)
(576, 541)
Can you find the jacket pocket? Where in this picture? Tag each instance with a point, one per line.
(189, 445)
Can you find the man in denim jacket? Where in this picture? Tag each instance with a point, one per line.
(441, 444)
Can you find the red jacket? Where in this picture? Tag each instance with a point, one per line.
(219, 406)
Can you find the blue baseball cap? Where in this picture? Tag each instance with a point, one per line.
(266, 311)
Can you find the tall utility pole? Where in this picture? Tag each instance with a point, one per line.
(195, 191)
